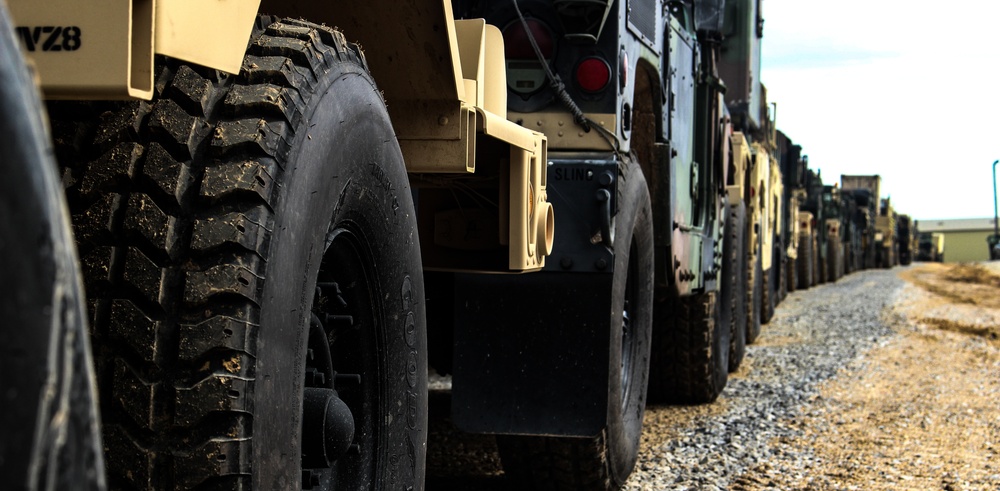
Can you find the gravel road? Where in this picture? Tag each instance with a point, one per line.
(850, 386)
(813, 334)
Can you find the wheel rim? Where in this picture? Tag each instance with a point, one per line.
(341, 359)
(629, 344)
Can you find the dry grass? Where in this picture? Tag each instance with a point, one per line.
(920, 411)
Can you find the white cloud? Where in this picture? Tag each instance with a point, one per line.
(901, 89)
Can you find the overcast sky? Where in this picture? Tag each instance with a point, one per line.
(904, 89)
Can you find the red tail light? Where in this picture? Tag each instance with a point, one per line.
(525, 74)
(593, 74)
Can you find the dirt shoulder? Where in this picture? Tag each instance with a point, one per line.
(921, 410)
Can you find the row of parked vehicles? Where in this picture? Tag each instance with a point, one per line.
(574, 208)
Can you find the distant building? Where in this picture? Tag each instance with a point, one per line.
(964, 238)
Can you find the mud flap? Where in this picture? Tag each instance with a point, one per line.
(531, 353)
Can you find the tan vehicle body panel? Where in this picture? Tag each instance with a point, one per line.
(885, 226)
(871, 182)
(742, 160)
(885, 230)
(805, 224)
(444, 82)
(753, 167)
(833, 229)
(776, 190)
(760, 183)
(937, 242)
(564, 134)
(113, 58)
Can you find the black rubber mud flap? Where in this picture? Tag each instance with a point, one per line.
(49, 429)
(604, 459)
(805, 263)
(250, 240)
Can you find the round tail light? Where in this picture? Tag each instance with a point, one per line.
(593, 74)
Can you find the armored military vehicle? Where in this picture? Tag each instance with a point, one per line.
(267, 215)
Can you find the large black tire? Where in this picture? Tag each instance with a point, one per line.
(906, 256)
(805, 262)
(690, 361)
(767, 300)
(250, 240)
(605, 462)
(755, 296)
(734, 285)
(49, 435)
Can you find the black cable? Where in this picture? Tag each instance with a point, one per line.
(557, 85)
(554, 81)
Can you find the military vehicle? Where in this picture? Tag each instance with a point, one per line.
(759, 230)
(773, 263)
(885, 235)
(267, 215)
(930, 246)
(865, 191)
(853, 228)
(833, 230)
(793, 165)
(905, 242)
(742, 205)
(753, 150)
(807, 263)
(815, 204)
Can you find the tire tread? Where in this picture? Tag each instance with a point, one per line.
(178, 227)
(682, 368)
